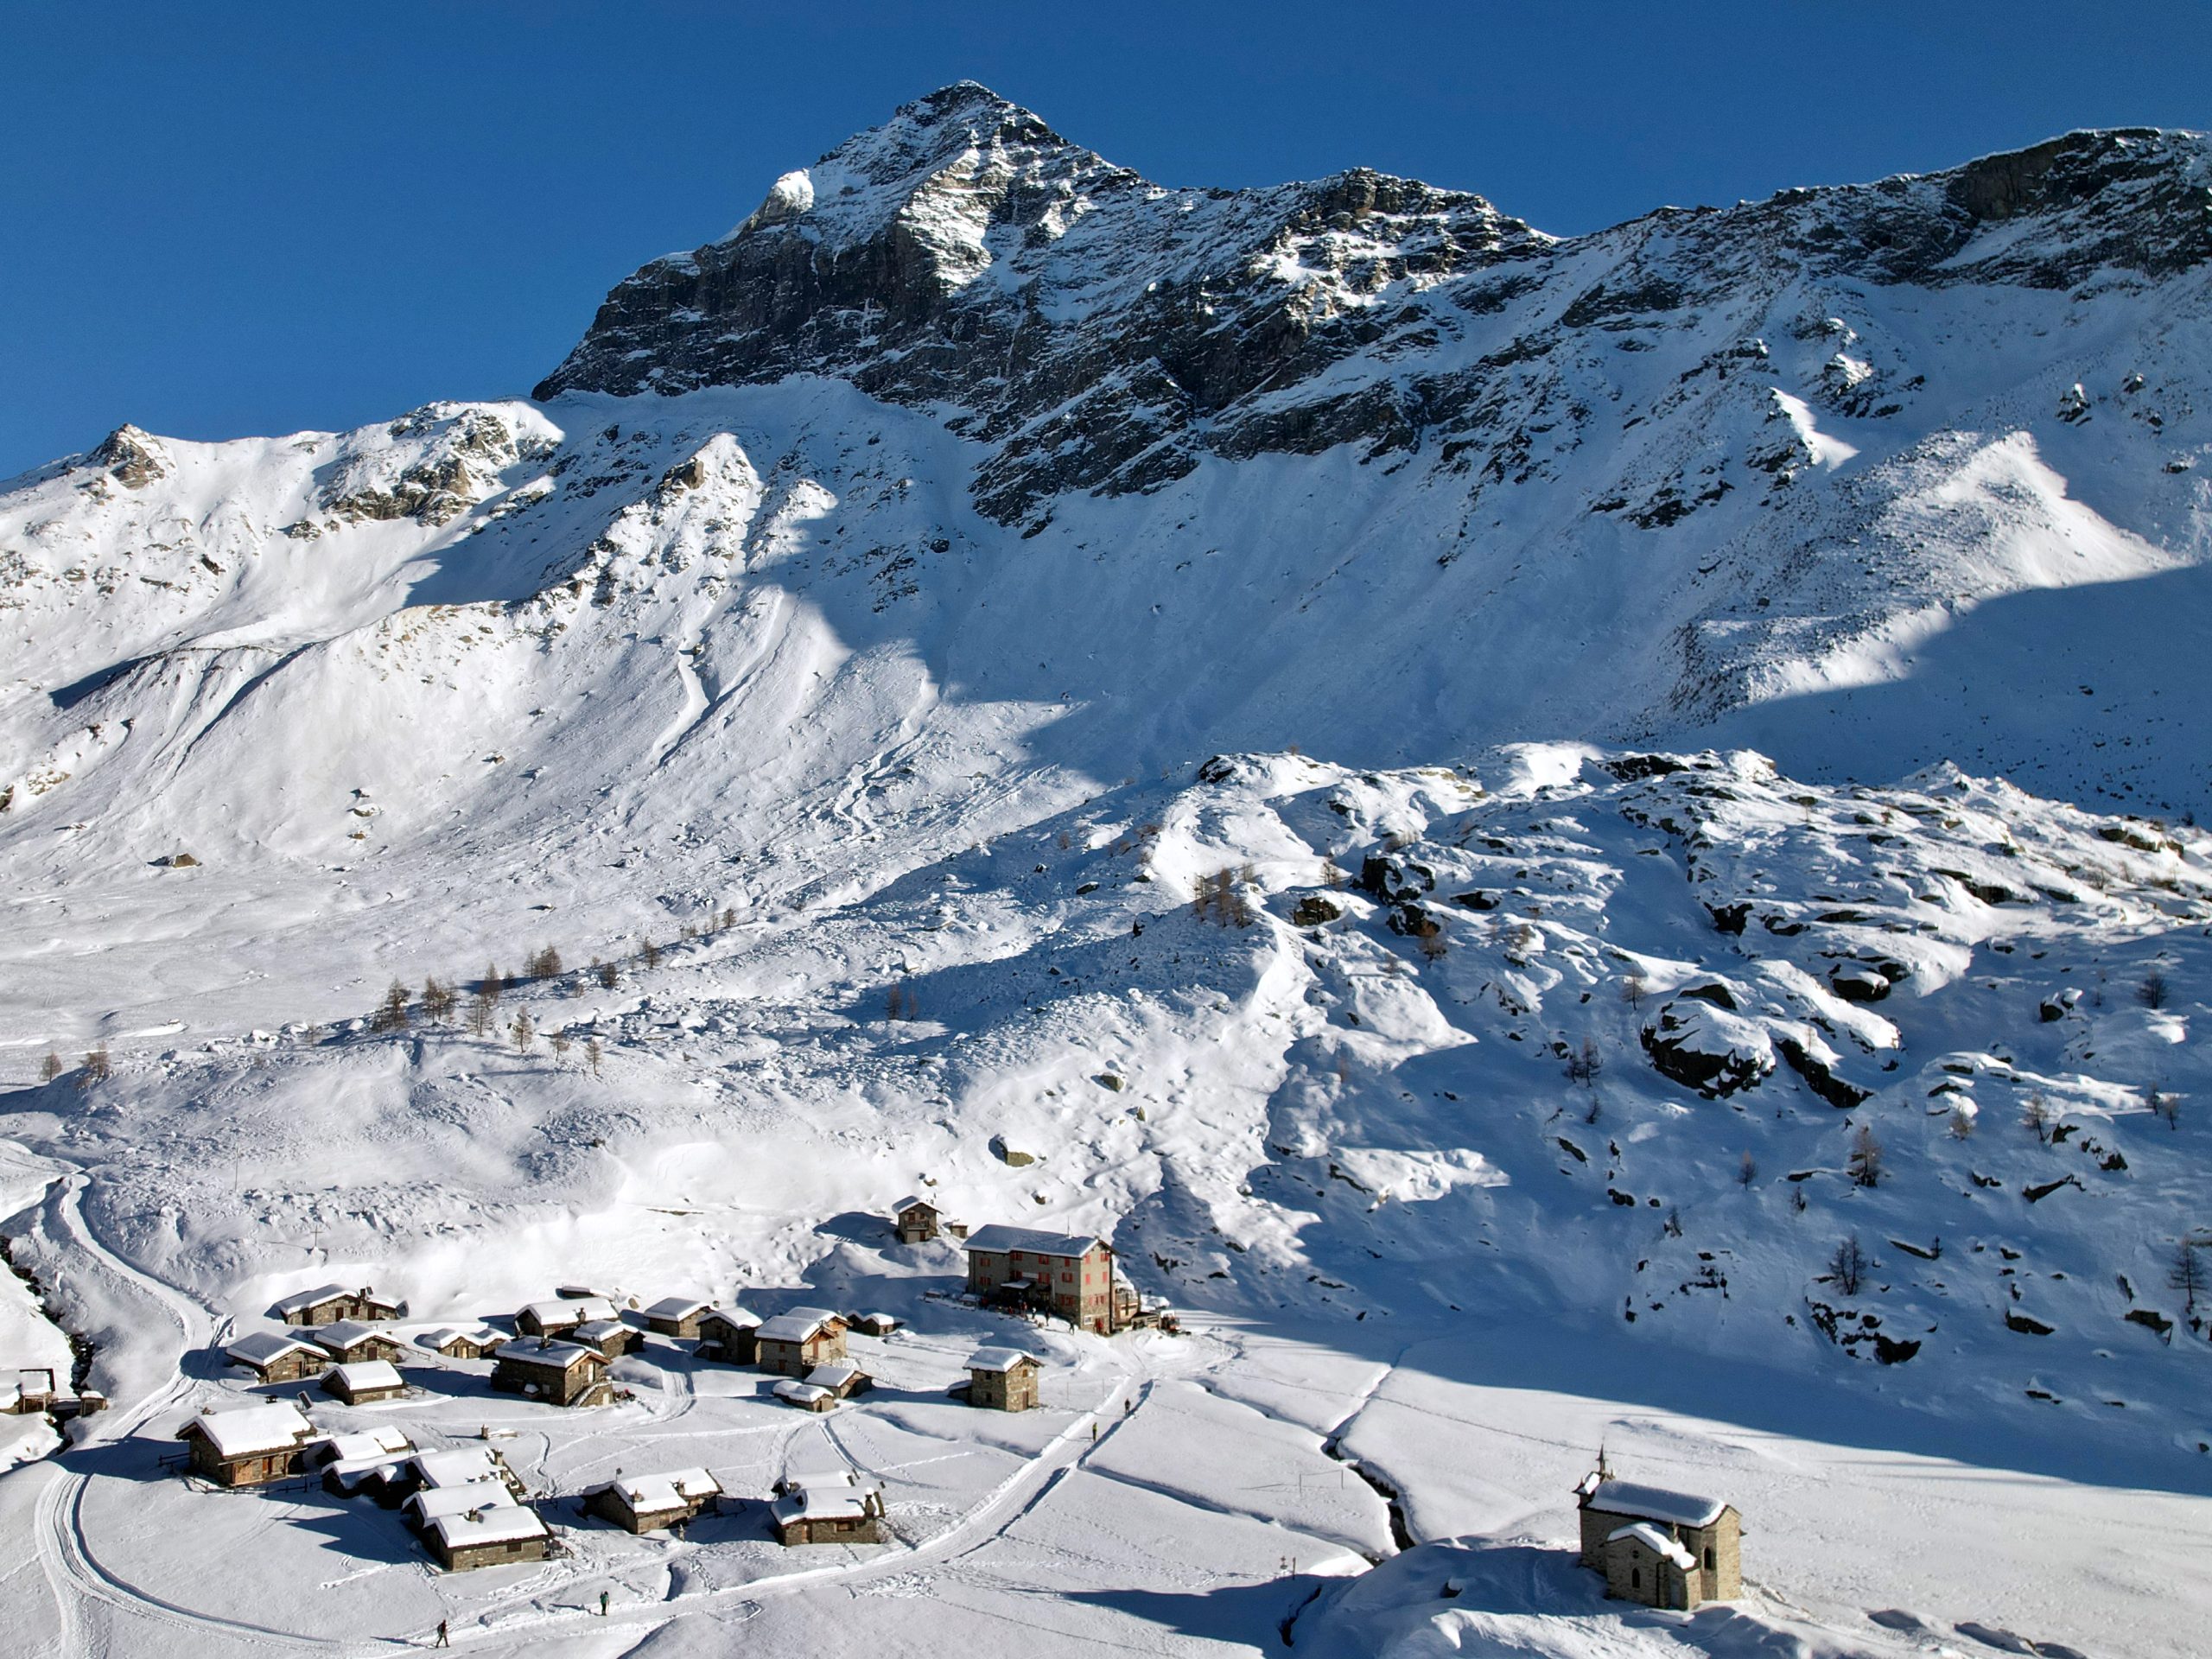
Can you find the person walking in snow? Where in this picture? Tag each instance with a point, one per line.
(443, 1641)
(602, 1603)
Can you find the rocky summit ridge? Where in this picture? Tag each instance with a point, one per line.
(1100, 332)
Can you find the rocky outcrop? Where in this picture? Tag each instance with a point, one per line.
(133, 458)
(1818, 1071)
(466, 452)
(1706, 1048)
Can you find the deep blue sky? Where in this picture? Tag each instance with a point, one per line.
(236, 217)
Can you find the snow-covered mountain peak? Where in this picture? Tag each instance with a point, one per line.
(134, 458)
(964, 253)
(963, 143)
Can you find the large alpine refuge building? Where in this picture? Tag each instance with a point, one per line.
(1069, 1274)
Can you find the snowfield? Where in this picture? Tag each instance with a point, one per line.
(1705, 972)
(1419, 1259)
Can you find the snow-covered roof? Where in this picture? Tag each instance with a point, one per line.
(910, 1201)
(376, 1446)
(649, 1494)
(300, 1300)
(552, 1356)
(347, 1332)
(833, 1374)
(365, 1374)
(456, 1467)
(1656, 1541)
(1029, 1239)
(801, 1393)
(807, 1480)
(743, 1318)
(446, 1335)
(505, 1524)
(826, 1503)
(827, 1494)
(1655, 1503)
(432, 1502)
(243, 1430)
(593, 1329)
(796, 1324)
(1000, 1359)
(676, 1308)
(570, 1311)
(265, 1348)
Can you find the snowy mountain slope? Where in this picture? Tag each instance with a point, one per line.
(852, 622)
(1352, 1126)
(1268, 1110)
(1516, 486)
(724, 621)
(1787, 439)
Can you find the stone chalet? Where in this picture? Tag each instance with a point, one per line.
(248, 1445)
(842, 1377)
(276, 1358)
(794, 1342)
(558, 1316)
(807, 1396)
(327, 1304)
(612, 1337)
(364, 1380)
(917, 1220)
(728, 1334)
(829, 1508)
(652, 1502)
(1071, 1275)
(489, 1537)
(559, 1373)
(372, 1461)
(460, 1341)
(349, 1340)
(476, 1468)
(1663, 1548)
(875, 1324)
(1002, 1379)
(676, 1316)
(424, 1509)
(33, 1391)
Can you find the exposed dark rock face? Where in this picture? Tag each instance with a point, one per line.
(1683, 1046)
(1396, 881)
(1820, 1077)
(133, 458)
(1084, 320)
(1101, 333)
